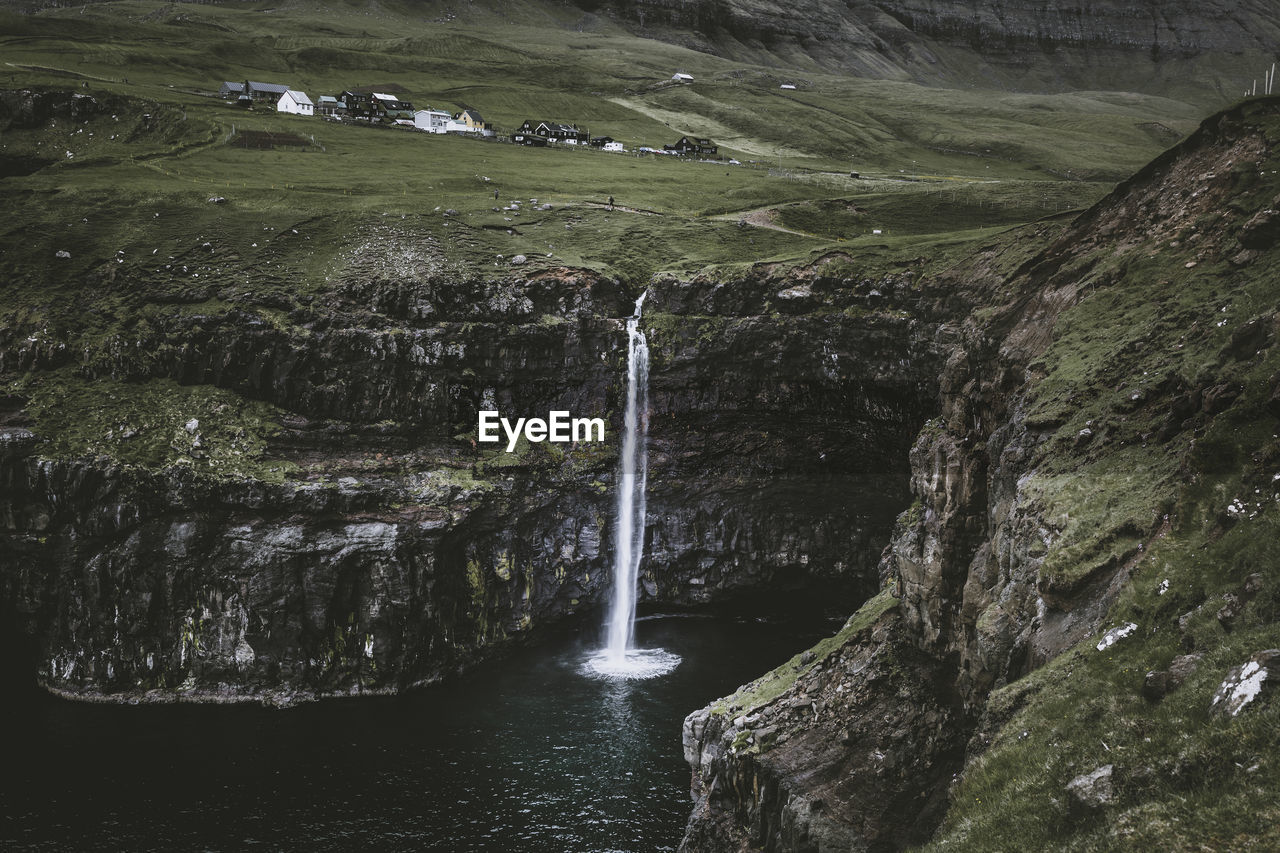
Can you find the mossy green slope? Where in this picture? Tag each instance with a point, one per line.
(1159, 389)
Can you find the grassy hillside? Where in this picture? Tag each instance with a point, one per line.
(122, 188)
(931, 161)
(1159, 397)
(550, 64)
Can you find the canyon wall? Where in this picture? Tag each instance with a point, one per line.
(1082, 411)
(382, 547)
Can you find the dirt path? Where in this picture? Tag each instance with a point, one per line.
(759, 218)
(621, 208)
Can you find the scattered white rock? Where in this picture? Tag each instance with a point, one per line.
(62, 253)
(517, 260)
(1163, 588)
(1245, 683)
(217, 199)
(192, 425)
(1115, 635)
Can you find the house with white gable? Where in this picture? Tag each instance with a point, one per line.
(295, 103)
(469, 121)
(432, 121)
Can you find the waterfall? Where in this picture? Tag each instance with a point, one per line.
(620, 658)
(628, 534)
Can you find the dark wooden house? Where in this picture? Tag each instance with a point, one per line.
(554, 132)
(691, 146)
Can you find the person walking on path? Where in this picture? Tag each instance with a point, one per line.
(611, 202)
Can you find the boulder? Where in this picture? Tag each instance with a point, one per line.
(1245, 683)
(1159, 682)
(1261, 231)
(1092, 791)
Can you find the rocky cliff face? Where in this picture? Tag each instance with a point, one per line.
(1023, 45)
(1064, 455)
(380, 547)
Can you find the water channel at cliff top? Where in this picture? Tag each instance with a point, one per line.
(522, 754)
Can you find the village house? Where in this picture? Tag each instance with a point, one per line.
(600, 141)
(432, 121)
(327, 105)
(391, 108)
(358, 105)
(295, 103)
(555, 132)
(691, 146)
(469, 121)
(681, 77)
(252, 92)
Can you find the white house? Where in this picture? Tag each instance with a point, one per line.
(681, 77)
(295, 103)
(432, 121)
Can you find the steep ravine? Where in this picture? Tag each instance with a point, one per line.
(365, 543)
(1101, 415)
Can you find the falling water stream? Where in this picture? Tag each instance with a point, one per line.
(620, 658)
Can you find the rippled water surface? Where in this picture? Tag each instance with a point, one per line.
(525, 754)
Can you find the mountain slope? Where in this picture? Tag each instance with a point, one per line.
(1092, 551)
(1204, 51)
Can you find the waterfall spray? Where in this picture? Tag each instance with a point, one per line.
(620, 658)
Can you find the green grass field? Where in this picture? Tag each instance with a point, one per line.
(933, 161)
(125, 190)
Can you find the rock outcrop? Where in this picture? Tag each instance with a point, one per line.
(381, 547)
(995, 577)
(1015, 43)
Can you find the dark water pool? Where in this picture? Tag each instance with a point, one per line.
(524, 754)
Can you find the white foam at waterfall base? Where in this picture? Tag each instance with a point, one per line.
(632, 664)
(619, 659)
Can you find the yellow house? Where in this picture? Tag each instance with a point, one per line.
(469, 121)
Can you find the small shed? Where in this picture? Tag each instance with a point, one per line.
(681, 77)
